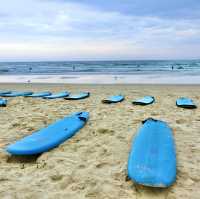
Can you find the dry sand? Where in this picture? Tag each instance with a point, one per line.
(93, 163)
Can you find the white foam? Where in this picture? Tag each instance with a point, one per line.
(102, 79)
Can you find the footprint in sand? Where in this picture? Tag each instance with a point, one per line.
(105, 131)
(180, 121)
(56, 177)
(102, 165)
(154, 114)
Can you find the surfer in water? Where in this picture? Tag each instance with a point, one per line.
(30, 70)
(138, 67)
(172, 67)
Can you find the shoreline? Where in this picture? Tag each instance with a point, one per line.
(67, 86)
(103, 79)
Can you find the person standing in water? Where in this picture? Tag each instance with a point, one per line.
(30, 70)
(138, 67)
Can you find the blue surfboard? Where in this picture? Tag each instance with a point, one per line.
(57, 95)
(4, 92)
(144, 101)
(17, 94)
(152, 159)
(41, 94)
(3, 102)
(113, 99)
(78, 96)
(185, 103)
(49, 137)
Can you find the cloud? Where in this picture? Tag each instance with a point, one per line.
(169, 9)
(48, 29)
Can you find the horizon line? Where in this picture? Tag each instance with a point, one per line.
(101, 60)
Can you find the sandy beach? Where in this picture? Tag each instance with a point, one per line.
(93, 164)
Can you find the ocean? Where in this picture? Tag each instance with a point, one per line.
(100, 67)
(103, 72)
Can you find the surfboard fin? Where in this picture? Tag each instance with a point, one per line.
(150, 118)
(82, 116)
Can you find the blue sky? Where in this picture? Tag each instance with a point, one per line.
(98, 30)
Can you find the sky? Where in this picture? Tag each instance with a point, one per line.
(41, 30)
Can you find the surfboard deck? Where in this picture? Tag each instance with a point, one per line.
(78, 96)
(152, 159)
(184, 102)
(146, 100)
(49, 137)
(40, 94)
(113, 99)
(3, 102)
(17, 94)
(57, 95)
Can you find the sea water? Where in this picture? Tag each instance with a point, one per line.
(140, 71)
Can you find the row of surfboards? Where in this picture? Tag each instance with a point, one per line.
(146, 100)
(45, 95)
(152, 158)
(181, 102)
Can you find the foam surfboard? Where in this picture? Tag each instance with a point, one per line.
(113, 99)
(185, 103)
(144, 101)
(152, 159)
(3, 102)
(4, 92)
(57, 95)
(78, 96)
(49, 137)
(41, 94)
(17, 94)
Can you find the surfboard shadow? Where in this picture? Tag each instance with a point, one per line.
(23, 158)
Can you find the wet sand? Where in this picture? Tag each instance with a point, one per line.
(93, 163)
